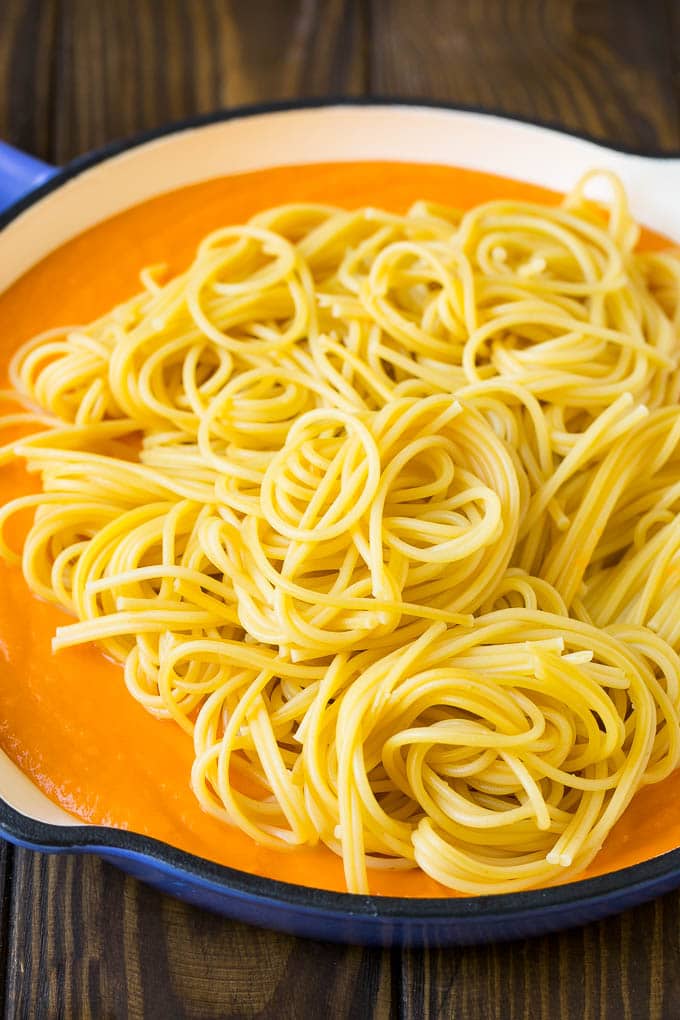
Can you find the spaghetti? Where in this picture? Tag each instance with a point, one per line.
(381, 510)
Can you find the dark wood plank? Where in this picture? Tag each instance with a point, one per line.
(6, 853)
(137, 64)
(624, 967)
(604, 68)
(89, 942)
(674, 21)
(27, 71)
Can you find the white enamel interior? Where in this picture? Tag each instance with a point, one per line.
(336, 133)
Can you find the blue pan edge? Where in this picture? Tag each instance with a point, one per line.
(344, 917)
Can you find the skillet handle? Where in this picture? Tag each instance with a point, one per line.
(19, 174)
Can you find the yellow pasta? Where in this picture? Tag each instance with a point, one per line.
(382, 511)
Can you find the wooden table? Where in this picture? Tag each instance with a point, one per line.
(77, 939)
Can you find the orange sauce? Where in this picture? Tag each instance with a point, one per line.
(67, 720)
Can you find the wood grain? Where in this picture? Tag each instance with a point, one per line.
(131, 66)
(87, 942)
(674, 23)
(27, 71)
(77, 938)
(6, 854)
(623, 968)
(604, 68)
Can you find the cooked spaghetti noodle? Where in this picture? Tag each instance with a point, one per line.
(382, 511)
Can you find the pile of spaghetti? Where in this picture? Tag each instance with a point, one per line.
(382, 510)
